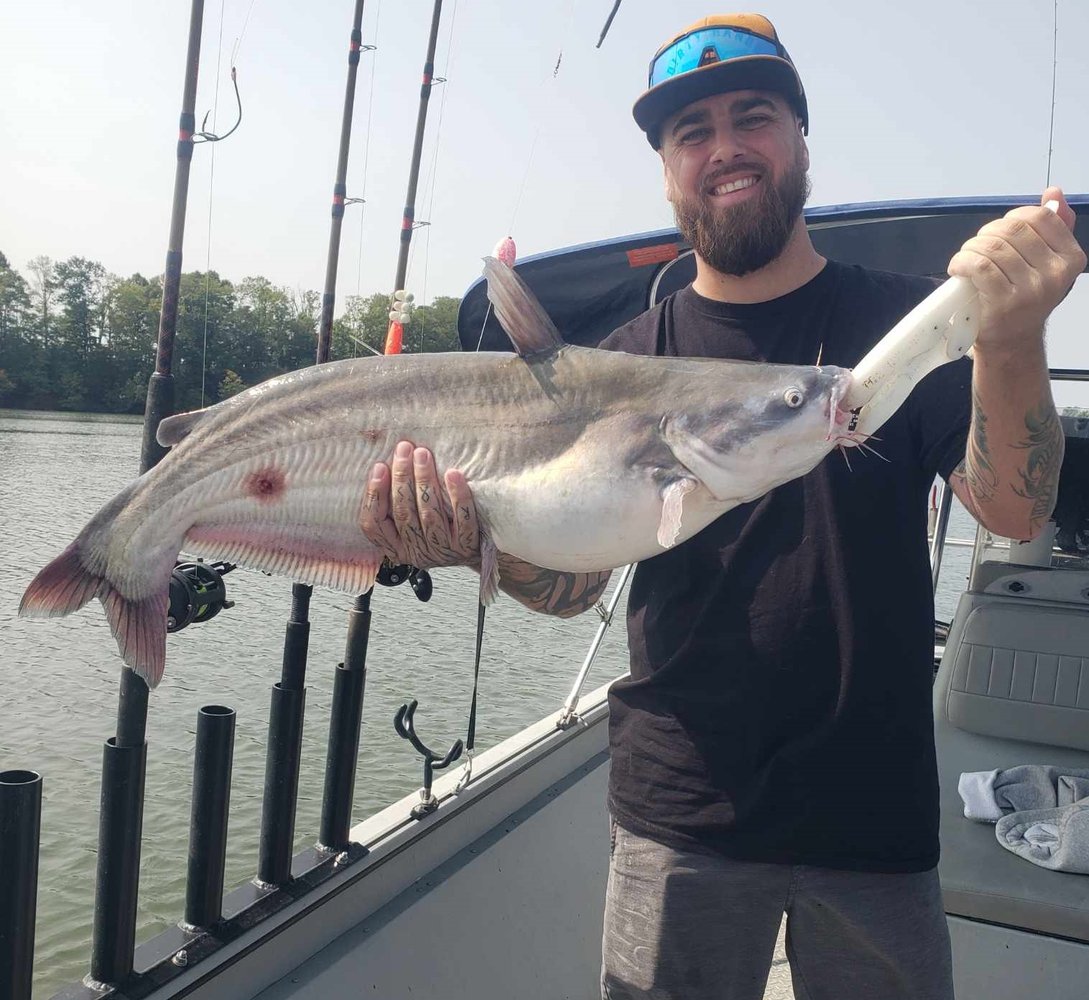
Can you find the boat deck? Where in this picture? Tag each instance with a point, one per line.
(779, 987)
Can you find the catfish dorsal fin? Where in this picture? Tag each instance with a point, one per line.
(174, 429)
(519, 312)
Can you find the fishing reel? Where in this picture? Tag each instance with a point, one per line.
(197, 593)
(418, 579)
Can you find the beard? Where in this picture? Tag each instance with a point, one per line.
(748, 236)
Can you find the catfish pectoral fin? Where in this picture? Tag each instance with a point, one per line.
(672, 502)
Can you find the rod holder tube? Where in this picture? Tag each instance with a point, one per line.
(117, 883)
(20, 831)
(347, 716)
(282, 758)
(208, 822)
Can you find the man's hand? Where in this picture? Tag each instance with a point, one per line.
(1022, 265)
(417, 520)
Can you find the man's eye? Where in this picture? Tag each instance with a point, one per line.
(696, 135)
(753, 121)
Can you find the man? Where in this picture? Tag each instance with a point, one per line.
(772, 750)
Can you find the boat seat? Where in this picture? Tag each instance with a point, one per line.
(1012, 688)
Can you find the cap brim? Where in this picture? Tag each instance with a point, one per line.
(743, 73)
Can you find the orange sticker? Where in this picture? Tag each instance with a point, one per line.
(659, 254)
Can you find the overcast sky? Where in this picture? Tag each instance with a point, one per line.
(907, 100)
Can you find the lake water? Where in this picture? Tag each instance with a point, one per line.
(59, 682)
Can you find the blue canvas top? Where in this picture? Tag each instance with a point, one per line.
(592, 288)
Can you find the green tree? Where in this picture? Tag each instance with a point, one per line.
(230, 385)
(81, 290)
(42, 285)
(434, 327)
(14, 302)
(361, 330)
(206, 340)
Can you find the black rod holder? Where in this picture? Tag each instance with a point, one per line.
(285, 729)
(117, 882)
(20, 829)
(284, 750)
(208, 822)
(346, 718)
(296, 639)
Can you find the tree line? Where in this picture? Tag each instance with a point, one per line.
(75, 337)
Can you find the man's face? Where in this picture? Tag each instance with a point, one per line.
(735, 173)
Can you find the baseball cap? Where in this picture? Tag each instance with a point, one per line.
(717, 54)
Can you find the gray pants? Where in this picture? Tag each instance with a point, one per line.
(681, 925)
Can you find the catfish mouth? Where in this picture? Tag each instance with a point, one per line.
(841, 418)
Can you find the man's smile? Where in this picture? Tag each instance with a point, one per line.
(738, 188)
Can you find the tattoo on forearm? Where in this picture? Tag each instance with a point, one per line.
(977, 470)
(551, 592)
(1040, 475)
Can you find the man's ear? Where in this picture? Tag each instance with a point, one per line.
(667, 179)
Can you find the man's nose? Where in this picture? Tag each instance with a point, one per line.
(726, 145)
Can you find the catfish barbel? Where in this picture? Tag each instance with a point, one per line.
(579, 460)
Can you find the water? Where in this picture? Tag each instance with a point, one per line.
(59, 681)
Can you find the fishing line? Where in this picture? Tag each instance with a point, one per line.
(367, 152)
(532, 150)
(211, 187)
(242, 34)
(1054, 75)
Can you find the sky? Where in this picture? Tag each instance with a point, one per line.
(907, 100)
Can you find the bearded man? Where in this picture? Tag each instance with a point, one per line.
(772, 749)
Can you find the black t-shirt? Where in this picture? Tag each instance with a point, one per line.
(779, 703)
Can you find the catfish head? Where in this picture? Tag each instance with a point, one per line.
(770, 424)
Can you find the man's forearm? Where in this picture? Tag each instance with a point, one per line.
(1015, 445)
(548, 591)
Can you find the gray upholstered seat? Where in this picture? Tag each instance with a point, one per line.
(1013, 688)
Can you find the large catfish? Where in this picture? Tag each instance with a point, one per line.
(578, 460)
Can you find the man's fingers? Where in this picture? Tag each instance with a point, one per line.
(466, 528)
(433, 519)
(374, 517)
(403, 498)
(376, 497)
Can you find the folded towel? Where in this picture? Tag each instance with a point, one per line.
(990, 795)
(1051, 838)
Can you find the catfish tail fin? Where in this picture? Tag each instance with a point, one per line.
(139, 626)
(62, 587)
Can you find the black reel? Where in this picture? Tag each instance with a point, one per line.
(418, 579)
(197, 593)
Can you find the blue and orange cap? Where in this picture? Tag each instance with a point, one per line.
(715, 55)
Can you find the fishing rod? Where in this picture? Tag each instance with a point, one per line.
(124, 758)
(340, 191)
(393, 342)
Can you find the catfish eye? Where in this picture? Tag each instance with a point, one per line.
(794, 397)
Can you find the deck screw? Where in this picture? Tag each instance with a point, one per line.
(341, 859)
(181, 959)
